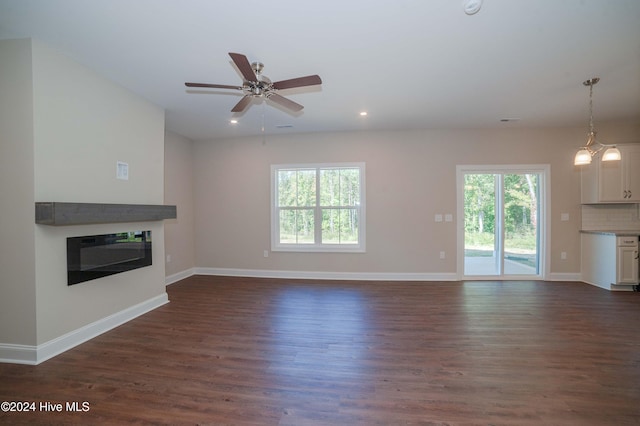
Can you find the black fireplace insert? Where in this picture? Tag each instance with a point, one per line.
(96, 256)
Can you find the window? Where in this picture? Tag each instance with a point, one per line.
(318, 207)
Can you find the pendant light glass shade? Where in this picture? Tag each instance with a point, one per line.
(612, 154)
(582, 157)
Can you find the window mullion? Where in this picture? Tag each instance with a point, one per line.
(318, 211)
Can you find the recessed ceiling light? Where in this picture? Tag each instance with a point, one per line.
(363, 113)
(233, 121)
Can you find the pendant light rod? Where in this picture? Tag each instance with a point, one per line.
(590, 83)
(584, 154)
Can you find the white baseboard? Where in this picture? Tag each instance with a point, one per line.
(18, 354)
(168, 280)
(321, 275)
(25, 354)
(612, 287)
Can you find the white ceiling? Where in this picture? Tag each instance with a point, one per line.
(409, 63)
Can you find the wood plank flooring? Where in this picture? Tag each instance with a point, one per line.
(245, 351)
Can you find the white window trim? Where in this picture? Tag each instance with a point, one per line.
(332, 248)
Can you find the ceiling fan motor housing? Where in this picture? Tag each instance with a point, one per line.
(258, 88)
(262, 86)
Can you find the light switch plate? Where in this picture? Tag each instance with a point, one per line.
(438, 218)
(448, 217)
(564, 217)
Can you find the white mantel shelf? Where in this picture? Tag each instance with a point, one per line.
(64, 214)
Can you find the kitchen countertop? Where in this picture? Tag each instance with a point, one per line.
(626, 233)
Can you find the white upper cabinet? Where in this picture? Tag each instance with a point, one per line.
(613, 181)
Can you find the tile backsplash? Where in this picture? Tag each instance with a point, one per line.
(611, 217)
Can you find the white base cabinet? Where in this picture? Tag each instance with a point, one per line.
(606, 265)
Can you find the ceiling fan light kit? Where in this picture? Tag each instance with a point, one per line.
(257, 85)
(593, 146)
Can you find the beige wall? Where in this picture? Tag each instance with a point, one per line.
(17, 241)
(178, 191)
(83, 125)
(411, 176)
(64, 130)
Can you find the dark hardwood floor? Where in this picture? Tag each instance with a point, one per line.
(245, 351)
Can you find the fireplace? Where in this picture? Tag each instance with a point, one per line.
(95, 256)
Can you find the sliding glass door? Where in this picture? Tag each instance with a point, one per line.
(501, 222)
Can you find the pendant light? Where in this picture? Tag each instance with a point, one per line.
(592, 147)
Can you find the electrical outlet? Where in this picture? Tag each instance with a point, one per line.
(168, 258)
(266, 253)
(442, 255)
(563, 255)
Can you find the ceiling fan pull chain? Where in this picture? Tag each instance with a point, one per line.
(264, 142)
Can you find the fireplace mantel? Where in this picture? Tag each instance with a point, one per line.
(61, 214)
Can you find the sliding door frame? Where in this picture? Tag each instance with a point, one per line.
(544, 171)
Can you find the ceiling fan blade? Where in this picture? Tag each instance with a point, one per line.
(244, 66)
(243, 104)
(310, 80)
(213, 86)
(287, 103)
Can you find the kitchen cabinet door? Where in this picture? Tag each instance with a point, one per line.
(613, 181)
(627, 265)
(620, 180)
(631, 159)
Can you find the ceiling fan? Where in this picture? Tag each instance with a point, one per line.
(256, 85)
